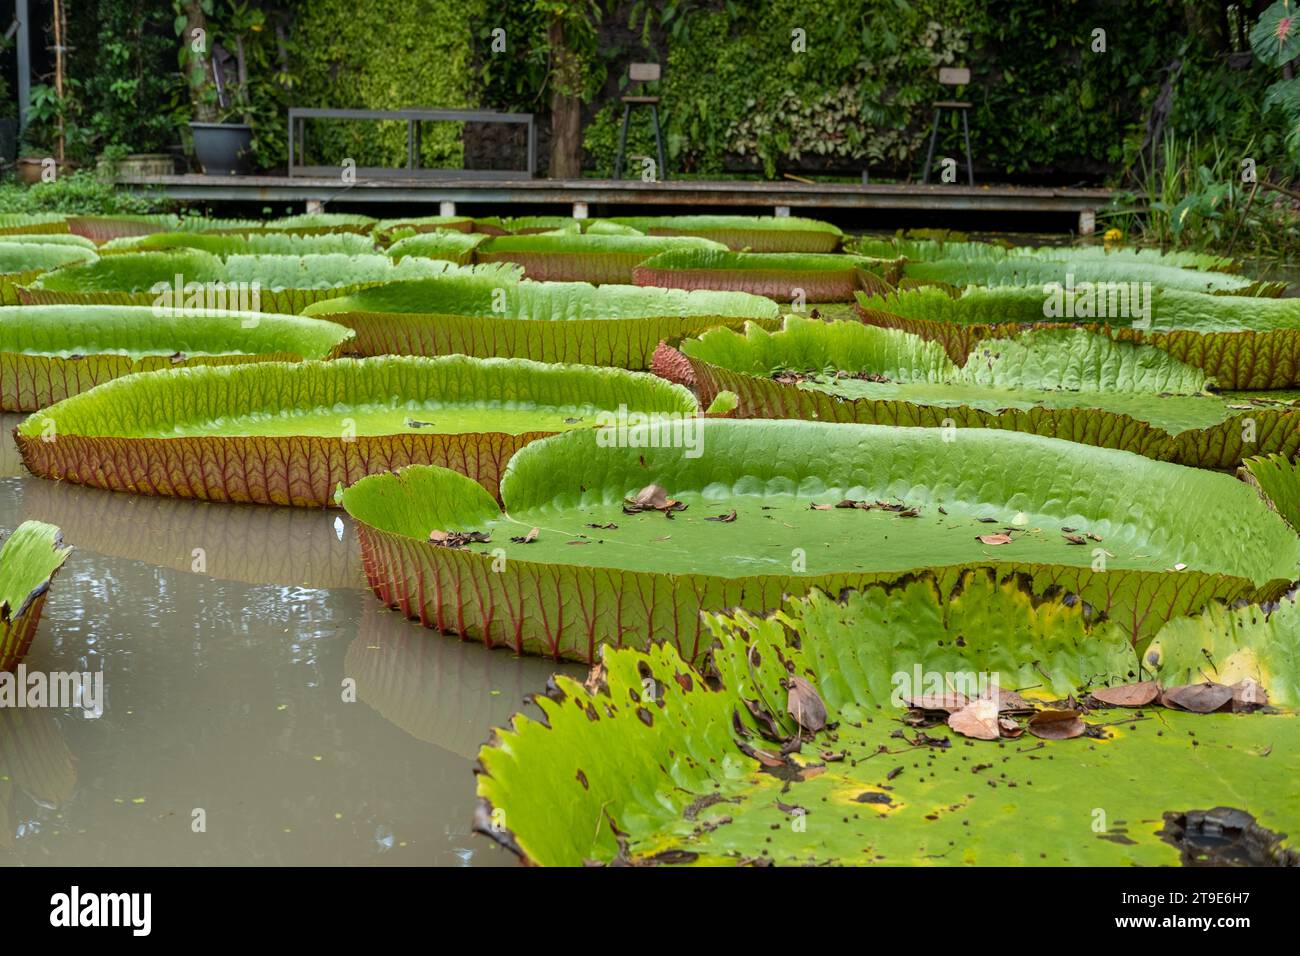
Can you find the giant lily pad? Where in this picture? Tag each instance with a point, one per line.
(599, 259)
(1241, 342)
(1036, 272)
(745, 233)
(1068, 383)
(931, 250)
(761, 522)
(651, 761)
(548, 322)
(28, 559)
(267, 283)
(454, 246)
(258, 243)
(1277, 478)
(274, 433)
(22, 262)
(806, 277)
(50, 352)
(1227, 645)
(43, 222)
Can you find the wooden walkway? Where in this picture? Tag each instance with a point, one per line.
(580, 195)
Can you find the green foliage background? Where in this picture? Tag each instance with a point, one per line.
(384, 56)
(736, 97)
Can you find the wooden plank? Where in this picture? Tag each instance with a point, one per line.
(677, 193)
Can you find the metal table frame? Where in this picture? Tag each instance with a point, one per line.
(413, 119)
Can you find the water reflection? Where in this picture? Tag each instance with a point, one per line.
(439, 689)
(227, 737)
(257, 544)
(37, 774)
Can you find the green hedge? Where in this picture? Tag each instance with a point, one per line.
(384, 56)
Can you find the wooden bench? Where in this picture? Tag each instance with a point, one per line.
(413, 118)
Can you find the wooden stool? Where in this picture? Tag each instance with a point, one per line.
(951, 76)
(641, 73)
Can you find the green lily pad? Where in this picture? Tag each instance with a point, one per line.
(171, 279)
(1241, 342)
(1277, 478)
(652, 762)
(1152, 546)
(275, 433)
(607, 325)
(599, 259)
(28, 559)
(784, 277)
(745, 233)
(1068, 383)
(51, 352)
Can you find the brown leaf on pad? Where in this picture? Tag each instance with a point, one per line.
(528, 538)
(1057, 724)
(1128, 695)
(1073, 538)
(1007, 699)
(816, 507)
(804, 704)
(1009, 727)
(1198, 698)
(458, 539)
(994, 539)
(978, 719)
(651, 498)
(1248, 695)
(950, 701)
(850, 503)
(729, 517)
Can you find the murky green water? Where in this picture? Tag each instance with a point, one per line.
(225, 635)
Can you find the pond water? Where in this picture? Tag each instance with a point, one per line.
(225, 634)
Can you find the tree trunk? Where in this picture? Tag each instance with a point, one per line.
(196, 64)
(566, 107)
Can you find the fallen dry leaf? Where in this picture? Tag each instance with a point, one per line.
(651, 498)
(1198, 698)
(729, 517)
(1009, 727)
(950, 701)
(528, 538)
(1128, 695)
(1073, 538)
(994, 539)
(978, 719)
(1247, 695)
(1057, 724)
(458, 539)
(804, 704)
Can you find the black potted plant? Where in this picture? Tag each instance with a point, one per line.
(218, 80)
